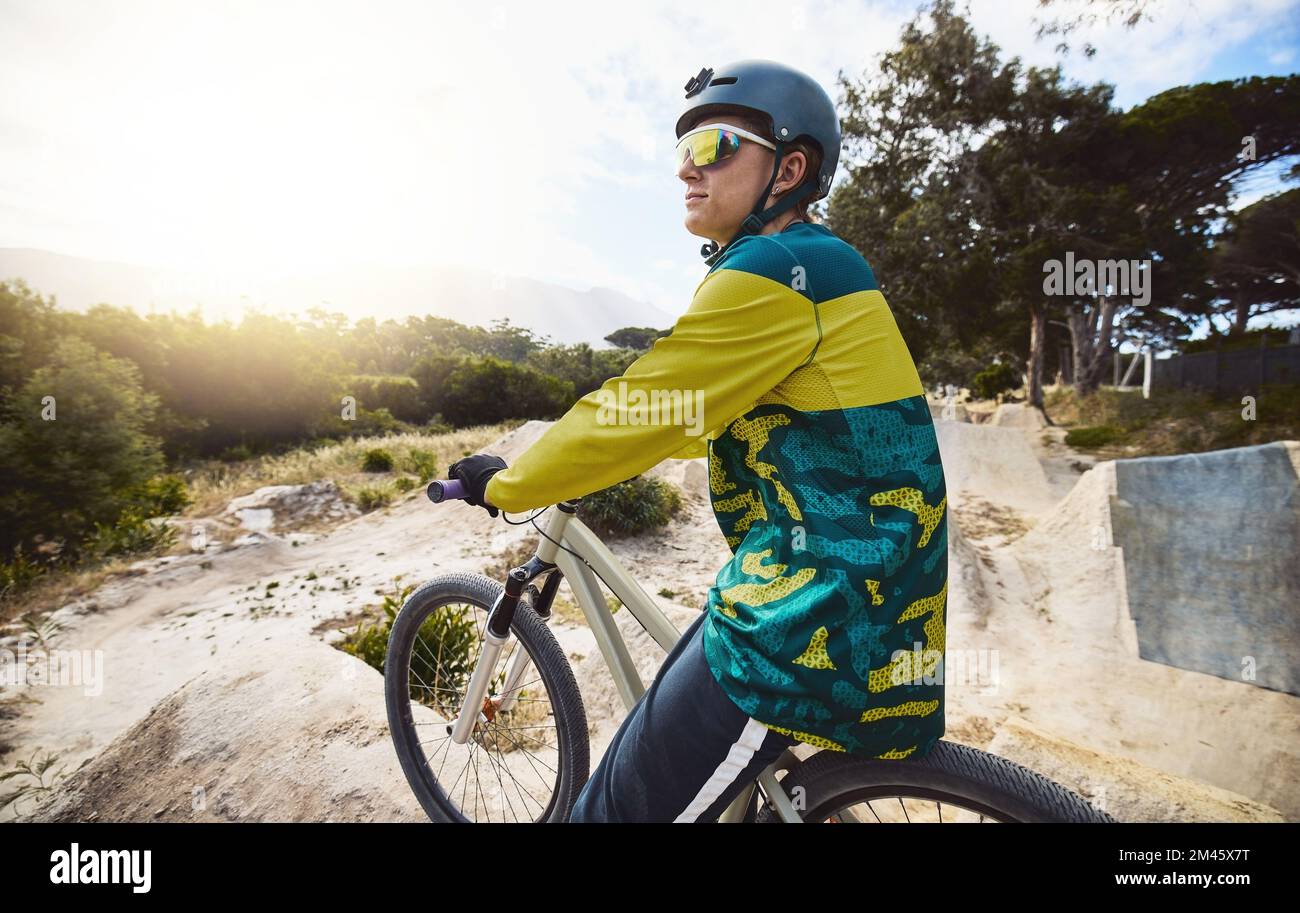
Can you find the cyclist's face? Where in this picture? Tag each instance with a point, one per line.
(719, 196)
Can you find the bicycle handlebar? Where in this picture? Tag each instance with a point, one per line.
(445, 490)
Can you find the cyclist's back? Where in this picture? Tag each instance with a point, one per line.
(828, 623)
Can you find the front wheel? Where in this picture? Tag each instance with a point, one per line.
(952, 783)
(527, 758)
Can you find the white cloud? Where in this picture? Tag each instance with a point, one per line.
(1178, 44)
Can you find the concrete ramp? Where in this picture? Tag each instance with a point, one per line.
(1019, 415)
(1212, 561)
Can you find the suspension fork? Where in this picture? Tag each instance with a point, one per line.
(497, 632)
(519, 666)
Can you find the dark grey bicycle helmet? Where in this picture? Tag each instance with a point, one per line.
(798, 107)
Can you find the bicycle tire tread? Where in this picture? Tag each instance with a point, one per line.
(963, 770)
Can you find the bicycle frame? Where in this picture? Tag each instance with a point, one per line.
(588, 558)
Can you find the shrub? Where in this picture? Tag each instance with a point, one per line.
(80, 464)
(474, 391)
(423, 463)
(631, 507)
(163, 496)
(450, 633)
(405, 484)
(995, 379)
(398, 394)
(1094, 436)
(132, 533)
(41, 780)
(377, 460)
(370, 641)
(372, 497)
(18, 574)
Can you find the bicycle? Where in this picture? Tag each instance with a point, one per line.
(499, 704)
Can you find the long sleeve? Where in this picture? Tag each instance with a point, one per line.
(742, 335)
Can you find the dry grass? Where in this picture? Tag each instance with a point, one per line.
(214, 484)
(1177, 421)
(60, 587)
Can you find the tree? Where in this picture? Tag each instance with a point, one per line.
(1131, 12)
(474, 391)
(65, 470)
(933, 97)
(1256, 265)
(639, 338)
(973, 173)
(30, 326)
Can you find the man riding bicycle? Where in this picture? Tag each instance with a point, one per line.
(827, 625)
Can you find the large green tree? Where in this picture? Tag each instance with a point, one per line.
(969, 174)
(1256, 265)
(74, 446)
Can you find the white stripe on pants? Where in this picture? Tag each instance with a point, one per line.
(737, 759)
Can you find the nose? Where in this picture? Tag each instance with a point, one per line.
(687, 170)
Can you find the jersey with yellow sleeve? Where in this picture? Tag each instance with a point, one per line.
(789, 373)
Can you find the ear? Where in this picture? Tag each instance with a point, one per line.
(794, 169)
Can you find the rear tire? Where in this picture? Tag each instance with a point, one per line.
(973, 784)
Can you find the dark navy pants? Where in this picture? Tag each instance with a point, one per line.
(684, 752)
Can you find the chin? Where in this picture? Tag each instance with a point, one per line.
(696, 226)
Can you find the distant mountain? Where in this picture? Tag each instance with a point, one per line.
(469, 296)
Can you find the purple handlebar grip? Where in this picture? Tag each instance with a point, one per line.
(446, 490)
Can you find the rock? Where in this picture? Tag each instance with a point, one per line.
(276, 734)
(278, 507)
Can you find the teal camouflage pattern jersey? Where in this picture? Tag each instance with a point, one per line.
(828, 623)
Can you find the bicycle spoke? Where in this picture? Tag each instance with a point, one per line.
(531, 755)
(523, 792)
(478, 789)
(444, 761)
(850, 814)
(463, 790)
(505, 794)
(519, 788)
(452, 787)
(515, 779)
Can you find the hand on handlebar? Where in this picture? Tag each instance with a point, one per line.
(474, 473)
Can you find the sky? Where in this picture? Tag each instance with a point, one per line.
(273, 139)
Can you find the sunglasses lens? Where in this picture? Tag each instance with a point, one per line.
(728, 143)
(708, 146)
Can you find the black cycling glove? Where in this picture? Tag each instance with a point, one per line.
(474, 473)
